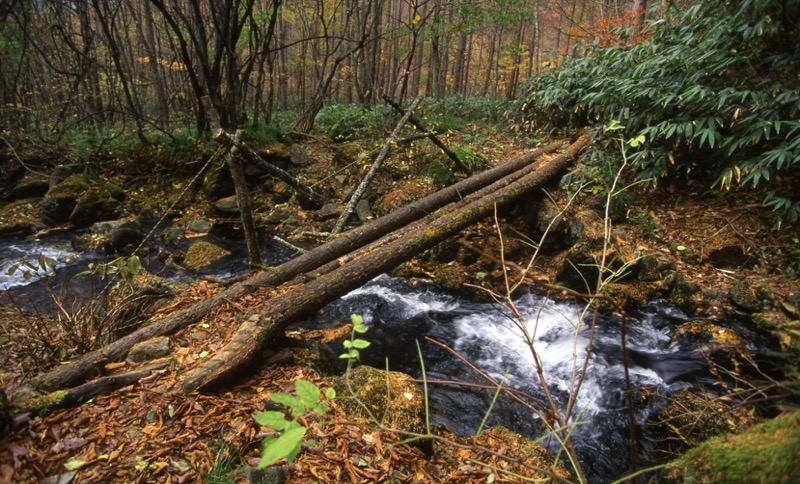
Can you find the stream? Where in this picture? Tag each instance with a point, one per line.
(399, 312)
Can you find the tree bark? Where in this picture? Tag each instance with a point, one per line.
(243, 201)
(421, 127)
(82, 367)
(259, 328)
(302, 190)
(362, 187)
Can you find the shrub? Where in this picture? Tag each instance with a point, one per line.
(713, 88)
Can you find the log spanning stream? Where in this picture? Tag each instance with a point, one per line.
(400, 312)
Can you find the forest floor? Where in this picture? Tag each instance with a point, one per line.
(143, 433)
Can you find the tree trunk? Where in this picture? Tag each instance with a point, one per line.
(260, 327)
(82, 367)
(303, 191)
(362, 187)
(243, 201)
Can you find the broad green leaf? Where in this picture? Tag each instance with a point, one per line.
(272, 419)
(360, 343)
(297, 405)
(284, 447)
(307, 391)
(330, 393)
(134, 265)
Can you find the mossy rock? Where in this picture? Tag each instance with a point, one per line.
(393, 398)
(690, 419)
(94, 205)
(768, 452)
(59, 202)
(202, 254)
(525, 450)
(682, 293)
(744, 297)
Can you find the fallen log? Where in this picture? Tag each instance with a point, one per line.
(303, 190)
(362, 187)
(257, 330)
(422, 129)
(83, 367)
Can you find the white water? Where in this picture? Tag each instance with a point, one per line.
(17, 253)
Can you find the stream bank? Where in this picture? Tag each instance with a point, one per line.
(675, 261)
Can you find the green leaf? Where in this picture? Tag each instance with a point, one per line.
(330, 393)
(360, 343)
(307, 391)
(284, 447)
(297, 405)
(272, 419)
(358, 324)
(134, 265)
(11, 270)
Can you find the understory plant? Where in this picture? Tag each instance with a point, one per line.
(715, 89)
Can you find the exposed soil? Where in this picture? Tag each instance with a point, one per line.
(142, 433)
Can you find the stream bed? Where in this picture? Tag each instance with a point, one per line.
(401, 312)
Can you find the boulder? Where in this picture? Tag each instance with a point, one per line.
(682, 293)
(125, 234)
(363, 211)
(58, 175)
(202, 254)
(744, 297)
(544, 212)
(95, 204)
(227, 206)
(282, 192)
(767, 452)
(402, 408)
(217, 182)
(199, 226)
(30, 186)
(330, 211)
(59, 202)
(277, 154)
(299, 156)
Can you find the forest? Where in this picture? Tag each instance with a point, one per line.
(399, 240)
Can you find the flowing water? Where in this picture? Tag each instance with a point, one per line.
(400, 312)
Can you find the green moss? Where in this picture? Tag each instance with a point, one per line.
(47, 403)
(768, 452)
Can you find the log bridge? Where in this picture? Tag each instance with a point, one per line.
(330, 271)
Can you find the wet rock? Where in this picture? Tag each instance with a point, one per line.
(60, 200)
(125, 234)
(299, 156)
(30, 186)
(217, 182)
(95, 204)
(682, 293)
(282, 192)
(227, 206)
(277, 216)
(403, 408)
(20, 217)
(149, 350)
(202, 254)
(200, 226)
(703, 334)
(363, 211)
(544, 213)
(346, 154)
(58, 175)
(743, 296)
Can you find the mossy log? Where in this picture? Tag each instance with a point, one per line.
(259, 328)
(81, 368)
